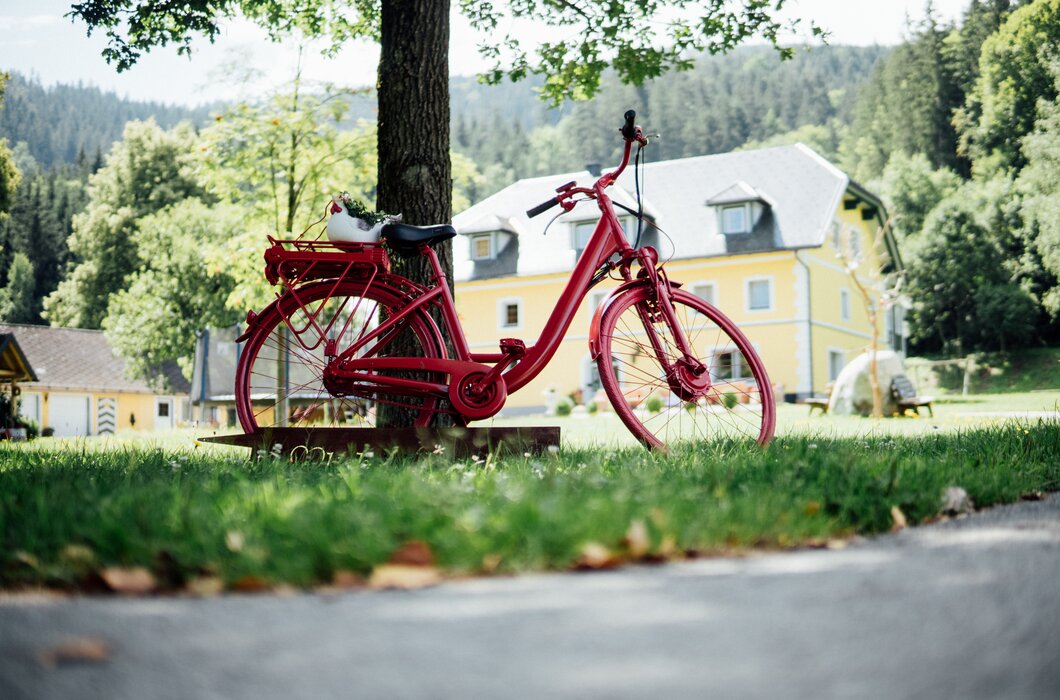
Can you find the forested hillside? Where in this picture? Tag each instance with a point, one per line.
(66, 123)
(723, 104)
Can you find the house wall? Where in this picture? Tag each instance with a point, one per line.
(772, 331)
(829, 280)
(37, 403)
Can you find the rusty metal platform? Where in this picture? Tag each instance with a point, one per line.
(317, 443)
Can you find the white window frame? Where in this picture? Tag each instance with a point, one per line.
(844, 304)
(854, 243)
(746, 209)
(492, 246)
(713, 285)
(843, 362)
(596, 298)
(742, 371)
(502, 313)
(747, 293)
(624, 221)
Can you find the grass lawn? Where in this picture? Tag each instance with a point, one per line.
(69, 511)
(952, 413)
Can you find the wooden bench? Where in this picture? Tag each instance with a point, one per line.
(904, 393)
(818, 402)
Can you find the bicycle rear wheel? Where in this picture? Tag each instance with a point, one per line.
(280, 373)
(737, 402)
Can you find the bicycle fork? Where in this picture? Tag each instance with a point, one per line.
(688, 377)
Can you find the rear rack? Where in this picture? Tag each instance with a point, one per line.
(294, 261)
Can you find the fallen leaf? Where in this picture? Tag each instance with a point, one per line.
(133, 581)
(205, 586)
(78, 554)
(251, 584)
(78, 650)
(595, 556)
(898, 519)
(637, 539)
(413, 553)
(813, 508)
(344, 578)
(1033, 496)
(27, 559)
(837, 544)
(404, 577)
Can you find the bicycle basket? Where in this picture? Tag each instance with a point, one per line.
(293, 261)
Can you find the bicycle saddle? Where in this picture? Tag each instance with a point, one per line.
(406, 239)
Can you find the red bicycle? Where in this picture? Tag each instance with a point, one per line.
(325, 352)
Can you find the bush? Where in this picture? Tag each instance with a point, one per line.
(592, 408)
(564, 407)
(729, 400)
(654, 404)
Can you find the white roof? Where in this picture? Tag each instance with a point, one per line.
(802, 191)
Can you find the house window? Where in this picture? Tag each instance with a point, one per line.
(583, 231)
(837, 237)
(163, 409)
(510, 313)
(482, 247)
(705, 291)
(855, 244)
(735, 219)
(727, 365)
(759, 294)
(836, 362)
(597, 298)
(844, 304)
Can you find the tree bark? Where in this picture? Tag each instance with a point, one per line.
(413, 131)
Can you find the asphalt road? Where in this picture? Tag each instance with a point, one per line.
(964, 609)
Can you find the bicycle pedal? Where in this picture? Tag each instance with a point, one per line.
(513, 346)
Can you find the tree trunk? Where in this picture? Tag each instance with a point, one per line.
(414, 168)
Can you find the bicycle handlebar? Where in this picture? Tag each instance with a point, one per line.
(629, 129)
(542, 208)
(630, 132)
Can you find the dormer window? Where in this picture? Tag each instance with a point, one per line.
(739, 208)
(482, 247)
(583, 231)
(735, 219)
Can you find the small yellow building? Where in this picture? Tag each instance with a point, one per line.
(765, 235)
(81, 387)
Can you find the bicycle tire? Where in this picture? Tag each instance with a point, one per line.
(310, 403)
(632, 374)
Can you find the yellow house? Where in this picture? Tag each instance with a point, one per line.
(764, 235)
(81, 387)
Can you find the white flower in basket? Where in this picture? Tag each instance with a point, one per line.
(344, 227)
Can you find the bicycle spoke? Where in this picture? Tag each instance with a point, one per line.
(647, 364)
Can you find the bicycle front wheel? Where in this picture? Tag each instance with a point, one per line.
(280, 373)
(638, 351)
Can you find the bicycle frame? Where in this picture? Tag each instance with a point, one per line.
(508, 371)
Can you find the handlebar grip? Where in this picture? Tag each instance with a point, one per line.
(542, 208)
(629, 129)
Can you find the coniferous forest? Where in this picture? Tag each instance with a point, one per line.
(957, 128)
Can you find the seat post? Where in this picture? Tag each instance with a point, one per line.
(436, 265)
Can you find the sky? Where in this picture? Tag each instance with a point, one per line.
(35, 39)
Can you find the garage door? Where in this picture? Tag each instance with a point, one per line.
(69, 414)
